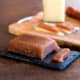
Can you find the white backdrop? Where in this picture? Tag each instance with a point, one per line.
(73, 3)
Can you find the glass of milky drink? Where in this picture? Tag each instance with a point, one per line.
(54, 10)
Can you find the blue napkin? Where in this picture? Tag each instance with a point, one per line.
(47, 63)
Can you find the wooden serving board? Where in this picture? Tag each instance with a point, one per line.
(64, 41)
(74, 21)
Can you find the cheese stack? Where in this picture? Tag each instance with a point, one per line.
(54, 10)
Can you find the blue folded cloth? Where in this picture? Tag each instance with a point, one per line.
(44, 63)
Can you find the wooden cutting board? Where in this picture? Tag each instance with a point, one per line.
(74, 21)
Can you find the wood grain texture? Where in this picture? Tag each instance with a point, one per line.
(11, 11)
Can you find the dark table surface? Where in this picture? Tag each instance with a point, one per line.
(11, 11)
